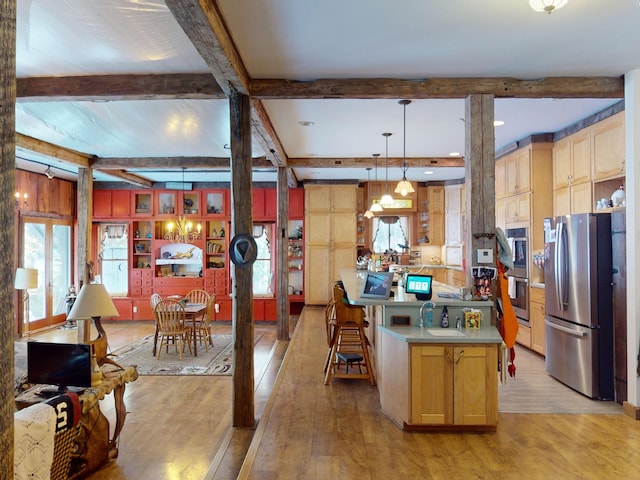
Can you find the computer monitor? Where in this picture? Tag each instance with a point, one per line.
(377, 285)
(420, 285)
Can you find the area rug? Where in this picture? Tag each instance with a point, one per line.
(217, 361)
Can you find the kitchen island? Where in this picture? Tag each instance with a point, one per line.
(432, 378)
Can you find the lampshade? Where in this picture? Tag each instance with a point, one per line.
(547, 6)
(92, 301)
(26, 278)
(404, 187)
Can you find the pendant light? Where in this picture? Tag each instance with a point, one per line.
(547, 6)
(375, 205)
(368, 213)
(387, 200)
(404, 187)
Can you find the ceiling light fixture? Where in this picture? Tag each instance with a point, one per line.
(49, 173)
(387, 200)
(368, 213)
(375, 205)
(184, 228)
(547, 6)
(404, 187)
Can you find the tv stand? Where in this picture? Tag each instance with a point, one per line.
(94, 446)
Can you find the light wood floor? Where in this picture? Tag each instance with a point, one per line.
(179, 428)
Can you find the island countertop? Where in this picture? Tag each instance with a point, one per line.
(412, 334)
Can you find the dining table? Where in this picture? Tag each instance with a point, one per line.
(192, 311)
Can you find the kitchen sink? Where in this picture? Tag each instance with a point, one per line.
(445, 332)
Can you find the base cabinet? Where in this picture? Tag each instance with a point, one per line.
(454, 385)
(536, 320)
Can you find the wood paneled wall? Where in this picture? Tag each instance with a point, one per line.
(46, 196)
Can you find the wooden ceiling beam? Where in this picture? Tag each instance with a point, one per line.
(434, 162)
(153, 163)
(129, 178)
(54, 151)
(387, 88)
(199, 86)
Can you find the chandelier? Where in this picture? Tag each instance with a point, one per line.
(183, 232)
(404, 187)
(547, 6)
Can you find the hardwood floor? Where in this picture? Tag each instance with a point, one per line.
(179, 428)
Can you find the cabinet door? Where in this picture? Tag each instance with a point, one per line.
(318, 285)
(102, 203)
(431, 385)
(343, 199)
(343, 228)
(561, 163)
(501, 214)
(120, 203)
(536, 319)
(580, 157)
(318, 199)
(318, 229)
(511, 174)
(608, 141)
(475, 391)
(562, 201)
(296, 203)
(581, 201)
(436, 199)
(523, 170)
(436, 229)
(501, 189)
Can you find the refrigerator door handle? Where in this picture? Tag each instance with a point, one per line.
(570, 331)
(558, 265)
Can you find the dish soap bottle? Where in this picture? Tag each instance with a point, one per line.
(444, 318)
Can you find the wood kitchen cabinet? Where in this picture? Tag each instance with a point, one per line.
(518, 209)
(454, 384)
(518, 172)
(572, 160)
(536, 320)
(608, 147)
(330, 238)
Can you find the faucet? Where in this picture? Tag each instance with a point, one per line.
(429, 306)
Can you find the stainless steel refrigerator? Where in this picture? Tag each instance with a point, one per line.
(578, 302)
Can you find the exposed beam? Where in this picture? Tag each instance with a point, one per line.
(553, 87)
(129, 178)
(204, 25)
(151, 163)
(118, 87)
(363, 162)
(54, 151)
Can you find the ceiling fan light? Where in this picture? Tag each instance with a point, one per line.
(404, 187)
(547, 6)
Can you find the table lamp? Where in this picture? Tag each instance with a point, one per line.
(26, 278)
(94, 302)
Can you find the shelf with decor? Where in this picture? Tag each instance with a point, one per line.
(142, 203)
(295, 253)
(142, 243)
(216, 244)
(179, 260)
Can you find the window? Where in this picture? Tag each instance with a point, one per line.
(113, 253)
(262, 268)
(389, 233)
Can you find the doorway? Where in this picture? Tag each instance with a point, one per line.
(46, 246)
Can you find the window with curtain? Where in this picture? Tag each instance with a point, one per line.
(113, 254)
(262, 268)
(389, 232)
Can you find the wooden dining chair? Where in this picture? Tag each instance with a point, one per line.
(197, 296)
(154, 300)
(203, 327)
(172, 330)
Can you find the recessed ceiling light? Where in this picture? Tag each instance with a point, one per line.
(428, 172)
(498, 123)
(306, 123)
(455, 154)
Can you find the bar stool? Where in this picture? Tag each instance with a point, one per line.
(348, 342)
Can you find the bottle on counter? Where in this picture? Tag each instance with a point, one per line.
(444, 318)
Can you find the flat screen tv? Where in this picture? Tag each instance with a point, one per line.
(64, 365)
(420, 285)
(377, 285)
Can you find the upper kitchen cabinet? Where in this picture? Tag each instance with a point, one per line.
(296, 203)
(111, 203)
(518, 172)
(265, 204)
(165, 203)
(142, 203)
(189, 202)
(608, 147)
(572, 160)
(215, 202)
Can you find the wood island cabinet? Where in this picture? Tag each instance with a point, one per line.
(536, 319)
(454, 385)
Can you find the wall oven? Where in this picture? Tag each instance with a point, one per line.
(519, 276)
(519, 294)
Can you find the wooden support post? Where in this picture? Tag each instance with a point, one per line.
(480, 175)
(242, 223)
(7, 233)
(282, 225)
(83, 256)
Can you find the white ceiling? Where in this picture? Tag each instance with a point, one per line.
(338, 39)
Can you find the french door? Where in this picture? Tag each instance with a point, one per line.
(46, 247)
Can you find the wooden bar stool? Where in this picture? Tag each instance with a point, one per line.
(348, 343)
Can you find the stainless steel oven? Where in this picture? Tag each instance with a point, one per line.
(519, 242)
(519, 294)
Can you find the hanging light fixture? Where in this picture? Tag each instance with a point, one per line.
(184, 232)
(547, 6)
(387, 200)
(368, 213)
(404, 187)
(375, 205)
